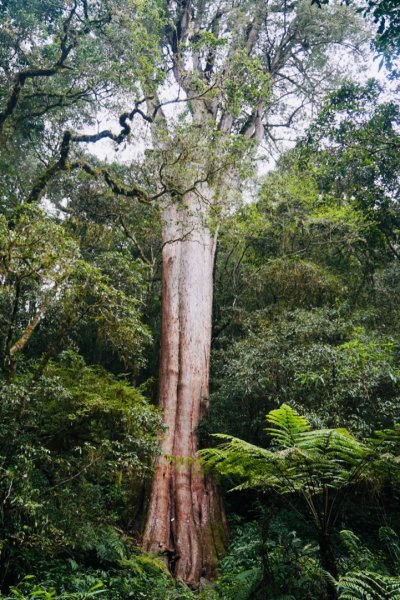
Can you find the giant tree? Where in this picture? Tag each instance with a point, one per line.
(238, 70)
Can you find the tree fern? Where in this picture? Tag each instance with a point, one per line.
(363, 585)
(391, 541)
(288, 425)
(305, 461)
(319, 466)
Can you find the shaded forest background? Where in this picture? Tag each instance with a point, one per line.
(305, 315)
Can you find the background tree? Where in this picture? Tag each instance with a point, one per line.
(386, 16)
(305, 280)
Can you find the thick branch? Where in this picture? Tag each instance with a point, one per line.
(30, 328)
(22, 77)
(62, 163)
(20, 81)
(101, 172)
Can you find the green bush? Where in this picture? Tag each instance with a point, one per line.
(75, 448)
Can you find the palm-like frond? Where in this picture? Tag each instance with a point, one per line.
(363, 585)
(288, 425)
(303, 460)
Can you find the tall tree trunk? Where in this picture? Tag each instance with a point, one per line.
(186, 522)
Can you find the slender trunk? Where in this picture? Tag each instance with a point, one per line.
(267, 587)
(328, 562)
(186, 522)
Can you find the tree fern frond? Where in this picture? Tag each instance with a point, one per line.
(364, 585)
(391, 540)
(288, 424)
(307, 461)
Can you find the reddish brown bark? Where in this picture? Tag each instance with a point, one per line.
(186, 522)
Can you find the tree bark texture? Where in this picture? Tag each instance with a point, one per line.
(186, 522)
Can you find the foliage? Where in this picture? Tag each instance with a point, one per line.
(306, 280)
(356, 137)
(49, 288)
(74, 445)
(319, 360)
(140, 577)
(32, 591)
(240, 569)
(306, 312)
(319, 466)
(368, 586)
(386, 17)
(305, 461)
